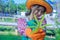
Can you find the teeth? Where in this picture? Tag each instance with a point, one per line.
(40, 17)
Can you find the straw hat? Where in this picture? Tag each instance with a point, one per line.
(29, 3)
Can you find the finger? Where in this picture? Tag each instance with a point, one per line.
(36, 35)
(34, 7)
(35, 11)
(41, 39)
(40, 34)
(43, 34)
(33, 38)
(31, 16)
(41, 30)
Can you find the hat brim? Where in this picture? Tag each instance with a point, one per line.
(39, 2)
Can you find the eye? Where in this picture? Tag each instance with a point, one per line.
(41, 8)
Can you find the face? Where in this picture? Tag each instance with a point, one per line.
(37, 10)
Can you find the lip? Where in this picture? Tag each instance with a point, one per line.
(39, 16)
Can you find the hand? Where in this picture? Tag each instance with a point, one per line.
(33, 8)
(35, 36)
(33, 12)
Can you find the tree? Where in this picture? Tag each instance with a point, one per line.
(1, 6)
(22, 7)
(12, 7)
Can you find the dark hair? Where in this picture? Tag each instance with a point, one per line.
(28, 13)
(41, 6)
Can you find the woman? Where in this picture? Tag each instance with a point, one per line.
(38, 8)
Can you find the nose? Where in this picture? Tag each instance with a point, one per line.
(39, 12)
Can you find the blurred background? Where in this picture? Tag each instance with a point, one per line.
(11, 10)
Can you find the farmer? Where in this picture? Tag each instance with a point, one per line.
(38, 8)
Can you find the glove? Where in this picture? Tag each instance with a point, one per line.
(39, 35)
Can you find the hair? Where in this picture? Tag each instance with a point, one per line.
(28, 13)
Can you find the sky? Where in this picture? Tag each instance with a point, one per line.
(20, 1)
(24, 1)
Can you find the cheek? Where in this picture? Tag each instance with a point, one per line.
(36, 11)
(38, 14)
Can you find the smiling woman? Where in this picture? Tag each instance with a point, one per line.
(37, 8)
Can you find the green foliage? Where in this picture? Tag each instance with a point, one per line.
(57, 30)
(11, 7)
(0, 9)
(6, 28)
(22, 7)
(10, 37)
(8, 7)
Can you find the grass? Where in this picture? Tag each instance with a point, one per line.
(9, 36)
(15, 37)
(7, 20)
(48, 38)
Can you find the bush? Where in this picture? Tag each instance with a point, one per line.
(6, 28)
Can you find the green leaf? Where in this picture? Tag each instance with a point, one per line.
(38, 23)
(41, 21)
(34, 23)
(46, 25)
(58, 22)
(36, 19)
(35, 30)
(32, 26)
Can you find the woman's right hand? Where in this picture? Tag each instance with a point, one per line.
(33, 11)
(33, 8)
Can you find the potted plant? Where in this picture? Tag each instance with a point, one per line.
(39, 24)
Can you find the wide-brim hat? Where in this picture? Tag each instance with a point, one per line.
(48, 7)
